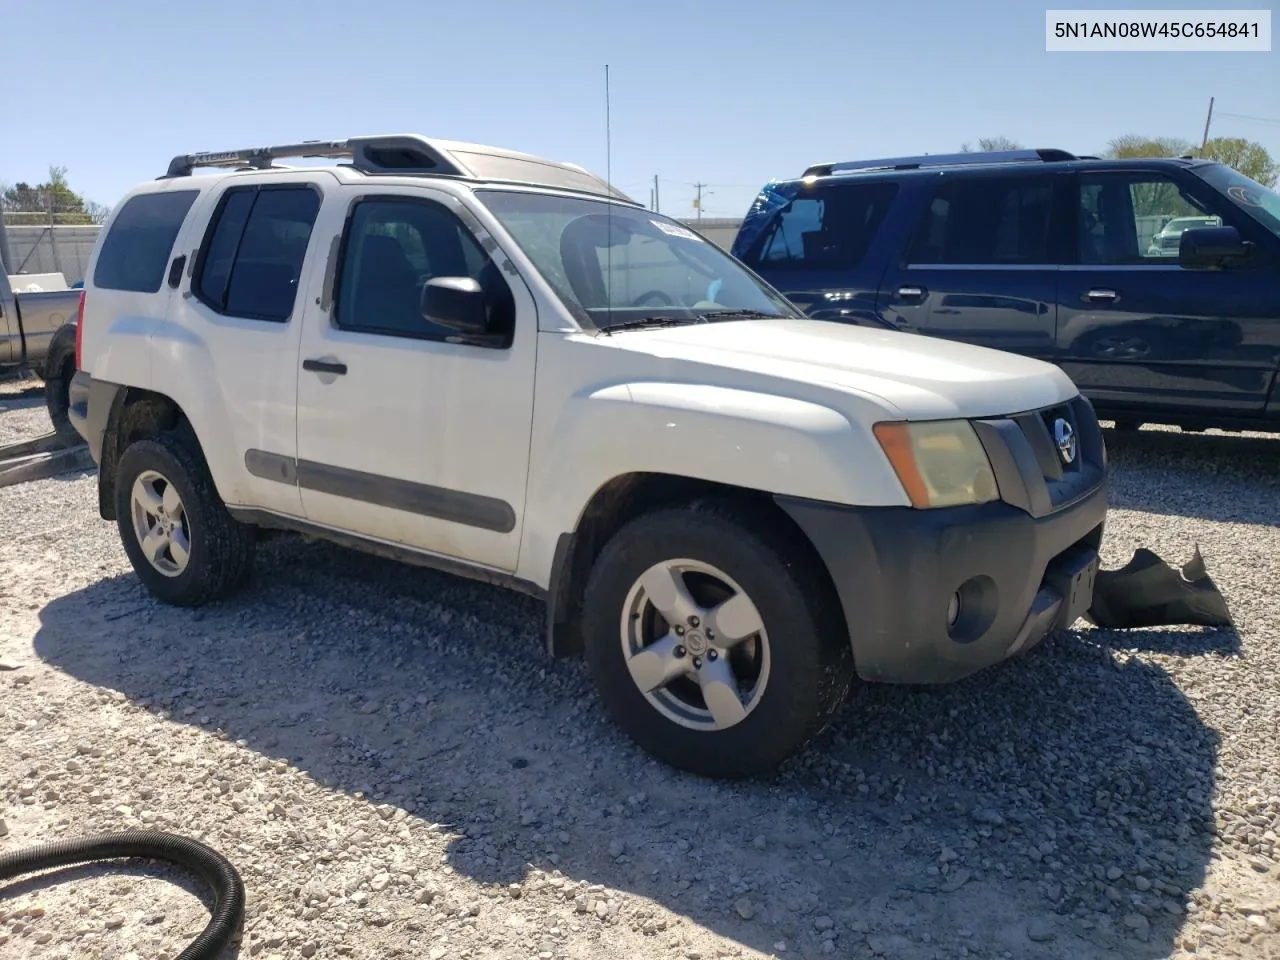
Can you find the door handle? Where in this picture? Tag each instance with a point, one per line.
(911, 293)
(1101, 296)
(325, 366)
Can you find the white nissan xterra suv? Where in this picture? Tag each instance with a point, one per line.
(499, 366)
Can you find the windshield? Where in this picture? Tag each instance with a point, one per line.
(1249, 195)
(614, 265)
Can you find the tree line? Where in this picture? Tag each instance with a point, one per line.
(50, 202)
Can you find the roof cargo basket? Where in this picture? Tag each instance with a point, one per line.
(392, 154)
(410, 155)
(1045, 155)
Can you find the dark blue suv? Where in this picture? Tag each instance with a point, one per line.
(1155, 284)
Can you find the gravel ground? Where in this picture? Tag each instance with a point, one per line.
(397, 771)
(22, 411)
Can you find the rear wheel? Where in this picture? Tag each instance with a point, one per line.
(181, 541)
(712, 640)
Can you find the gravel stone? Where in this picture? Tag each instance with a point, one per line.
(1040, 930)
(364, 719)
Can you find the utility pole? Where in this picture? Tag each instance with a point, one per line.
(657, 202)
(698, 202)
(1207, 120)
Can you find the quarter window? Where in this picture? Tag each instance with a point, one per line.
(391, 249)
(987, 220)
(136, 249)
(252, 260)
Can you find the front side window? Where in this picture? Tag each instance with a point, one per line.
(1134, 218)
(252, 258)
(136, 249)
(612, 264)
(988, 221)
(391, 248)
(1247, 195)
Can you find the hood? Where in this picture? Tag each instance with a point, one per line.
(922, 378)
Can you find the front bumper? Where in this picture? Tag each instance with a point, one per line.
(1010, 572)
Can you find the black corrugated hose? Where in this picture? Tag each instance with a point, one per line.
(212, 867)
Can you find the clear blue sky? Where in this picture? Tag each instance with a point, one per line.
(728, 93)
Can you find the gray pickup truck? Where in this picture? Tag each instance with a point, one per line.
(38, 333)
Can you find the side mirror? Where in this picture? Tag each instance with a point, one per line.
(1206, 248)
(457, 303)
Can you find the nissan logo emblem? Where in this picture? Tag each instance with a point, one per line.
(1065, 437)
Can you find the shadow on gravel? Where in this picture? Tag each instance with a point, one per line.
(1055, 807)
(1222, 477)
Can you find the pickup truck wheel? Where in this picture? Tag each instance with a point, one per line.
(57, 398)
(182, 543)
(711, 643)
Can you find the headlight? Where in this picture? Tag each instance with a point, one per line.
(941, 463)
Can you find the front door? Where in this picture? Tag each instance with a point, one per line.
(1138, 329)
(982, 265)
(404, 436)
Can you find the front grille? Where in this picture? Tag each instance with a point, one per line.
(1045, 460)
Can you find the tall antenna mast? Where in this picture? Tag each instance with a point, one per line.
(608, 176)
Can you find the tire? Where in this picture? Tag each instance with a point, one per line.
(802, 654)
(219, 550)
(57, 398)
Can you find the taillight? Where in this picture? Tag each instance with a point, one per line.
(79, 330)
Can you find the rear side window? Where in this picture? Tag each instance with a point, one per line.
(135, 251)
(831, 226)
(252, 256)
(987, 220)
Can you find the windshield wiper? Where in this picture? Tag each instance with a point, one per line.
(640, 323)
(741, 315)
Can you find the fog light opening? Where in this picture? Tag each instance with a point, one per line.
(971, 610)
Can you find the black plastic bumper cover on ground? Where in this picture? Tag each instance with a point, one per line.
(896, 570)
(209, 865)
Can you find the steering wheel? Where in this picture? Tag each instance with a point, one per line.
(659, 298)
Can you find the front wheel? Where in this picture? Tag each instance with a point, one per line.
(713, 641)
(183, 544)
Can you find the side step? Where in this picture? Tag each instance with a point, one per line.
(42, 457)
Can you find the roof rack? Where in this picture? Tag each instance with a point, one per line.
(1045, 155)
(409, 155)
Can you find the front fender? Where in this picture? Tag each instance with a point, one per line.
(776, 444)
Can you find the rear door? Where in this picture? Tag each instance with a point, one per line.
(239, 319)
(982, 264)
(1140, 330)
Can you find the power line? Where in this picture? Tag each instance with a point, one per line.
(1242, 116)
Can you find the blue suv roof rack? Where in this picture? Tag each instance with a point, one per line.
(1045, 155)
